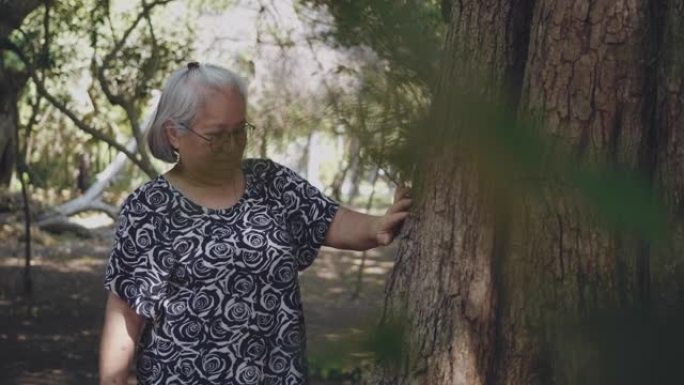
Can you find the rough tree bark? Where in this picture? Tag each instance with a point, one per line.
(478, 283)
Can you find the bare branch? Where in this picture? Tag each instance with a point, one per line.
(147, 168)
(117, 47)
(117, 99)
(151, 28)
(94, 193)
(42, 90)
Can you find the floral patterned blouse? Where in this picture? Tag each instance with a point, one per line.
(218, 288)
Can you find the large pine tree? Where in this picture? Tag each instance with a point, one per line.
(486, 276)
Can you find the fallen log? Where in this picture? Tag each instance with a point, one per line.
(56, 219)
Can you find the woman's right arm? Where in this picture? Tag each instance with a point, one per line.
(120, 335)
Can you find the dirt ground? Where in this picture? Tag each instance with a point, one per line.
(52, 336)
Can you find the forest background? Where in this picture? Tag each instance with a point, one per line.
(79, 81)
(541, 138)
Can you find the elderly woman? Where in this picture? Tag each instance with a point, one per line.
(202, 278)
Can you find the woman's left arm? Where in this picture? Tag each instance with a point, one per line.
(352, 230)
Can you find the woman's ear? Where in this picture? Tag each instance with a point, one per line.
(171, 134)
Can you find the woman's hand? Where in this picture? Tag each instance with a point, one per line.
(387, 227)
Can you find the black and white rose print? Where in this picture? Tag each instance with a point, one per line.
(219, 288)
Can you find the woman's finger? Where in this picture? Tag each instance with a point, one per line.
(392, 220)
(401, 192)
(401, 205)
(391, 225)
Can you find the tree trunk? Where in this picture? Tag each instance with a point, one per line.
(481, 282)
(11, 84)
(9, 94)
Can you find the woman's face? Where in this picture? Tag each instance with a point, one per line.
(218, 137)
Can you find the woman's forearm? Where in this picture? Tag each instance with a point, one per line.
(119, 338)
(352, 230)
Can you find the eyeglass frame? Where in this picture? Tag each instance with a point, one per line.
(243, 127)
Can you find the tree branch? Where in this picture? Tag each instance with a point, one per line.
(42, 90)
(88, 200)
(147, 168)
(117, 99)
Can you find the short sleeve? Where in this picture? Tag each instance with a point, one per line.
(308, 213)
(127, 274)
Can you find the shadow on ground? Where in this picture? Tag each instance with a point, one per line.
(53, 336)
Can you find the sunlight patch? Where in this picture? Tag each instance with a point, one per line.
(93, 220)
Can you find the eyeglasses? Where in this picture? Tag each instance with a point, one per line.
(218, 141)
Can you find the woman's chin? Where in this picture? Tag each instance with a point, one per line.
(226, 159)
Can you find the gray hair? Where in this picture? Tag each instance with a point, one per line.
(180, 100)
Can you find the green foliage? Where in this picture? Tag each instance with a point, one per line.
(384, 343)
(387, 112)
(390, 115)
(212, 6)
(407, 34)
(388, 342)
(614, 346)
(70, 44)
